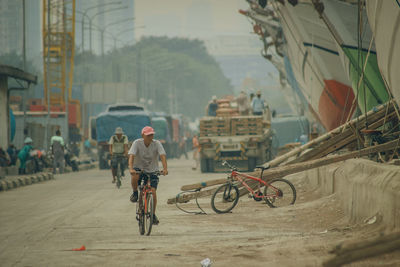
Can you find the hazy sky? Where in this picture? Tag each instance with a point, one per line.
(191, 18)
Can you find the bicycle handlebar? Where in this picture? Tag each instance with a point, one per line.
(158, 173)
(229, 165)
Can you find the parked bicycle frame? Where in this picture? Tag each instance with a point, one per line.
(277, 192)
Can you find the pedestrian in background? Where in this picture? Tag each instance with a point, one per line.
(257, 104)
(13, 154)
(243, 104)
(212, 107)
(57, 149)
(23, 155)
(196, 152)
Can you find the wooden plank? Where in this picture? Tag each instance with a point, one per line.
(203, 184)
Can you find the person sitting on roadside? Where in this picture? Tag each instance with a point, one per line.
(12, 153)
(4, 159)
(119, 151)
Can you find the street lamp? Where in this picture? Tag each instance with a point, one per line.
(128, 30)
(101, 12)
(84, 14)
(102, 30)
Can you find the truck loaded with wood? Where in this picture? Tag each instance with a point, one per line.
(245, 141)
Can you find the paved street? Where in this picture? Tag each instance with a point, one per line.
(42, 223)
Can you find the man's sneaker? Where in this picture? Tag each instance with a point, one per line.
(155, 220)
(134, 197)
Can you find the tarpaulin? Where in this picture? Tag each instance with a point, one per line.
(131, 123)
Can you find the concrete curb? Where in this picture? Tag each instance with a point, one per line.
(11, 182)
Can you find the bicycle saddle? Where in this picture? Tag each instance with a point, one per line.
(262, 167)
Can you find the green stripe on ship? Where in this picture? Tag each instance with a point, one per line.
(375, 92)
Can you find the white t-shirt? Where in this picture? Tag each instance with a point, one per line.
(146, 158)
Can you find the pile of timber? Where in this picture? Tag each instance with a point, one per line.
(315, 153)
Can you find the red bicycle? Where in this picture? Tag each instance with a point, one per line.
(277, 192)
(145, 204)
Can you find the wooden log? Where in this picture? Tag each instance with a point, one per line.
(362, 250)
(202, 184)
(341, 140)
(299, 167)
(379, 112)
(282, 171)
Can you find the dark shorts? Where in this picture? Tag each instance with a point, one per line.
(145, 176)
(118, 159)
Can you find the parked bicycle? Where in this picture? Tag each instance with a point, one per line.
(145, 204)
(277, 192)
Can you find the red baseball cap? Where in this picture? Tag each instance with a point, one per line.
(147, 130)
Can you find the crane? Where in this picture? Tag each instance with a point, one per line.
(58, 51)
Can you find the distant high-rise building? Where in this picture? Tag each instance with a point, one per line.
(10, 27)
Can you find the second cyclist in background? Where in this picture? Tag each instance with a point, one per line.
(118, 151)
(143, 156)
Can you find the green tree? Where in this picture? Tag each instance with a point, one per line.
(175, 73)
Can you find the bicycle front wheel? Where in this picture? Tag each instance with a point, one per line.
(140, 217)
(225, 198)
(149, 213)
(279, 193)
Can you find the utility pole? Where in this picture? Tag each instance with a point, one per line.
(24, 63)
(46, 133)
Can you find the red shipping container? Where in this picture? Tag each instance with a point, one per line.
(72, 114)
(56, 108)
(37, 108)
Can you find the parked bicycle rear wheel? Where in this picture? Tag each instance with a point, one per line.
(140, 217)
(149, 214)
(279, 193)
(225, 198)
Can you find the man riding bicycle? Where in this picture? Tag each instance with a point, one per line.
(118, 151)
(143, 156)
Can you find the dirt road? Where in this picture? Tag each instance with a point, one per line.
(42, 223)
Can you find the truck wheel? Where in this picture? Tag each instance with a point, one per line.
(101, 164)
(252, 163)
(203, 165)
(210, 163)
